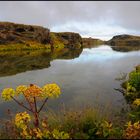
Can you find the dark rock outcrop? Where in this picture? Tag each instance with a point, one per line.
(19, 33)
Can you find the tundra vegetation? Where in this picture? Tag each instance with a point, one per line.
(81, 124)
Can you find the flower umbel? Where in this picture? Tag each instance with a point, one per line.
(21, 89)
(51, 90)
(137, 102)
(33, 91)
(8, 93)
(22, 119)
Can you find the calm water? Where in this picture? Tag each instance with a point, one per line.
(87, 80)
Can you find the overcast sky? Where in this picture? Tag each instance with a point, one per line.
(96, 19)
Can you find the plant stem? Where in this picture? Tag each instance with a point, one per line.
(36, 115)
(31, 107)
(120, 90)
(35, 104)
(21, 104)
(42, 105)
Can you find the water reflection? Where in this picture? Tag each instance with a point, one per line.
(104, 53)
(89, 79)
(14, 62)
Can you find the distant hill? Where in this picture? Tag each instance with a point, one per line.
(125, 42)
(91, 42)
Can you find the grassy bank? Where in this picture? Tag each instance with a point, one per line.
(88, 123)
(82, 124)
(24, 47)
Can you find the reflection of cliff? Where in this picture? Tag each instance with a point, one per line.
(17, 62)
(20, 61)
(66, 54)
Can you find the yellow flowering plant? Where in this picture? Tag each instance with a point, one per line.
(22, 120)
(8, 93)
(132, 131)
(137, 102)
(31, 94)
(28, 132)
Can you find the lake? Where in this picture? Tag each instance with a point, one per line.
(86, 77)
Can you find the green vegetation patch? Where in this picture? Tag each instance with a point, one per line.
(56, 42)
(24, 46)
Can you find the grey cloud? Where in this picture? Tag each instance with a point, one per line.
(128, 15)
(56, 13)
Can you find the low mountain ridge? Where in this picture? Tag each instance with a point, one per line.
(125, 42)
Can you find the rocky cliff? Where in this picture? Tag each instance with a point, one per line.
(68, 39)
(30, 37)
(19, 33)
